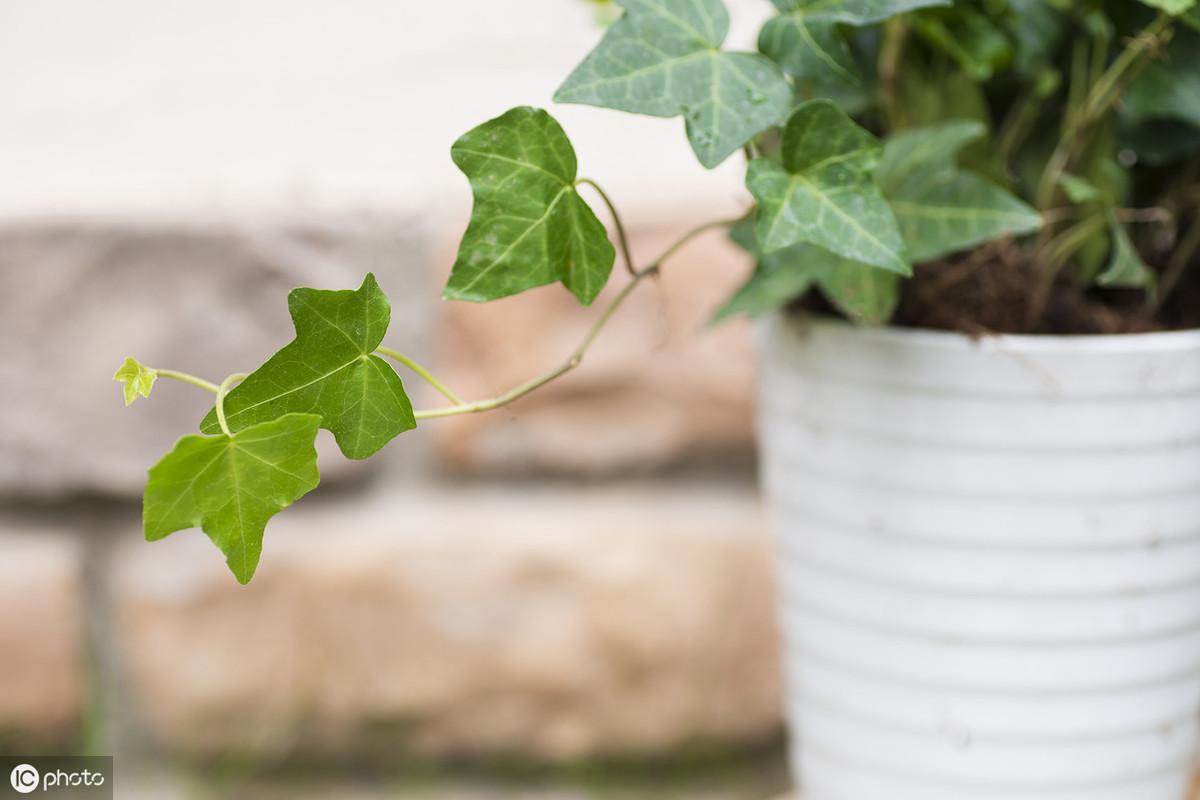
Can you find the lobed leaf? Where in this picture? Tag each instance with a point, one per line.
(941, 209)
(805, 40)
(330, 370)
(230, 486)
(138, 379)
(824, 194)
(529, 227)
(663, 58)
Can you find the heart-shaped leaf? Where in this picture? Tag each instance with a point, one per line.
(230, 486)
(329, 369)
(663, 58)
(824, 193)
(529, 226)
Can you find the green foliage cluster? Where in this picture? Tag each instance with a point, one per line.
(877, 134)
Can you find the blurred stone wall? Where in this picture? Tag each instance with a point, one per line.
(582, 574)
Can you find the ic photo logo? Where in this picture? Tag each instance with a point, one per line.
(75, 777)
(24, 778)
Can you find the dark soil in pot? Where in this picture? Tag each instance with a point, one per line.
(988, 290)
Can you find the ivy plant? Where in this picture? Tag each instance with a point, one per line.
(878, 136)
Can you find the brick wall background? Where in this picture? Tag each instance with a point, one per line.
(582, 574)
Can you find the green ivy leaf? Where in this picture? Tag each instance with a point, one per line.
(973, 40)
(804, 38)
(823, 194)
(910, 156)
(941, 209)
(865, 294)
(663, 58)
(529, 226)
(138, 379)
(1172, 7)
(1037, 30)
(1125, 266)
(229, 486)
(329, 369)
(778, 278)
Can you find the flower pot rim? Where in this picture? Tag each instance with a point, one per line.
(1150, 342)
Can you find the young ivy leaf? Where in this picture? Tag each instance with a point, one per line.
(329, 369)
(940, 208)
(824, 194)
(137, 377)
(529, 226)
(229, 486)
(663, 58)
(804, 38)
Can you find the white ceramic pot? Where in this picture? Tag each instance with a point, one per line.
(989, 559)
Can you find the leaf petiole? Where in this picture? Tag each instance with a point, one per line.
(421, 372)
(222, 390)
(622, 239)
(175, 375)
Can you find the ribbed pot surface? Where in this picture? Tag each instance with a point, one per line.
(989, 557)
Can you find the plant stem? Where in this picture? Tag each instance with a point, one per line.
(890, 53)
(576, 356)
(1095, 104)
(622, 239)
(421, 372)
(221, 392)
(687, 237)
(186, 378)
(1058, 253)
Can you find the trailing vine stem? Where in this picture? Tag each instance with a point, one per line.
(421, 372)
(474, 407)
(222, 390)
(622, 238)
(576, 356)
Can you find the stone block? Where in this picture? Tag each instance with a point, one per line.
(41, 640)
(550, 625)
(210, 300)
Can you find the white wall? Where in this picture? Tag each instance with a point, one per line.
(136, 108)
